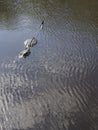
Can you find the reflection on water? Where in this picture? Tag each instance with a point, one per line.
(56, 87)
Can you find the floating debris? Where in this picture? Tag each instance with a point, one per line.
(41, 26)
(30, 42)
(26, 52)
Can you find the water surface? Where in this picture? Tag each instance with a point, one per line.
(56, 86)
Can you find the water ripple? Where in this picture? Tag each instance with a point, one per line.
(56, 86)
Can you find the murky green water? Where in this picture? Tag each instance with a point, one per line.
(56, 86)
